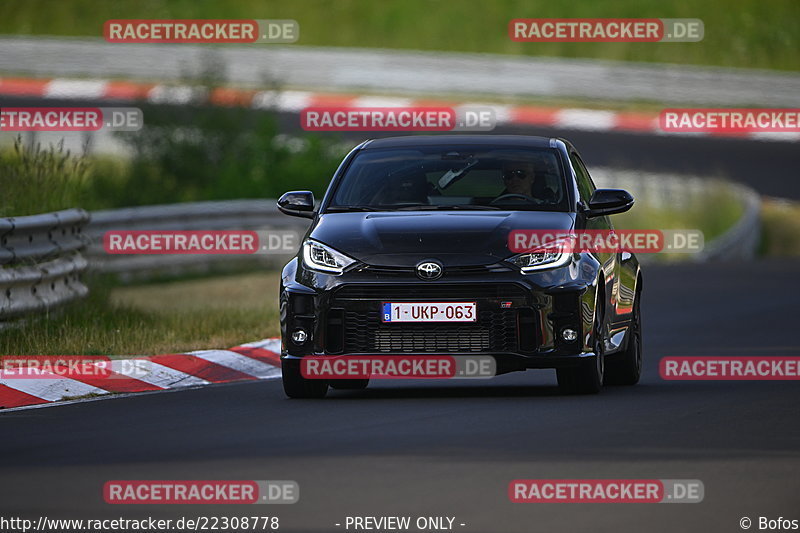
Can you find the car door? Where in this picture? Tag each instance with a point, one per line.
(609, 261)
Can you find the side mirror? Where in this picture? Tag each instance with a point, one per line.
(609, 202)
(297, 204)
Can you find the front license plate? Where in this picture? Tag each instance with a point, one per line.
(429, 312)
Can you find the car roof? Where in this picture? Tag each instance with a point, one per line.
(529, 141)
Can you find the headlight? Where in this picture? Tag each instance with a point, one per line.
(552, 255)
(317, 256)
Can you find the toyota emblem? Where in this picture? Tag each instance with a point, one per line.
(429, 270)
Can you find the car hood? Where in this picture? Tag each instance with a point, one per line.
(403, 239)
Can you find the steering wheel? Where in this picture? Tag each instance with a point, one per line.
(514, 195)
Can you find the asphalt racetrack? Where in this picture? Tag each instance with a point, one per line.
(451, 448)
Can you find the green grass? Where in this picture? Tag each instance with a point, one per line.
(780, 228)
(39, 179)
(692, 213)
(738, 33)
(231, 154)
(154, 318)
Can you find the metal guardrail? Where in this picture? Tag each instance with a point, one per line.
(741, 240)
(220, 215)
(40, 261)
(665, 191)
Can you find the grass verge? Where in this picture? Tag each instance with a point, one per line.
(36, 179)
(780, 228)
(740, 33)
(713, 211)
(154, 318)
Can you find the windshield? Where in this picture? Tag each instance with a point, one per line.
(437, 177)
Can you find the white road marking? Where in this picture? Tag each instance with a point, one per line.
(52, 389)
(282, 101)
(273, 345)
(163, 376)
(239, 362)
(63, 88)
(165, 94)
(381, 101)
(586, 119)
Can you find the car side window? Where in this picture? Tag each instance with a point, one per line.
(585, 185)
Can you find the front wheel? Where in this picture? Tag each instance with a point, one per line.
(296, 386)
(626, 368)
(587, 376)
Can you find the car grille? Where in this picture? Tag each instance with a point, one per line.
(428, 291)
(407, 272)
(357, 310)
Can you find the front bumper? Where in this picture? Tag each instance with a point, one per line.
(520, 316)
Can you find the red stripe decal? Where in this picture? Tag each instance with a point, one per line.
(538, 116)
(635, 122)
(13, 398)
(231, 97)
(265, 356)
(331, 100)
(123, 90)
(115, 382)
(201, 368)
(23, 86)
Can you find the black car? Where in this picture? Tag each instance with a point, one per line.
(427, 219)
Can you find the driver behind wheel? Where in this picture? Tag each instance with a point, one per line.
(518, 178)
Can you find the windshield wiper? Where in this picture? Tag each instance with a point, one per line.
(476, 207)
(350, 208)
(453, 207)
(410, 207)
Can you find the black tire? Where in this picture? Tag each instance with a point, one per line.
(587, 376)
(349, 384)
(296, 386)
(625, 368)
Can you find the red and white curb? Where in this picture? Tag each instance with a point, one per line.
(296, 101)
(252, 361)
